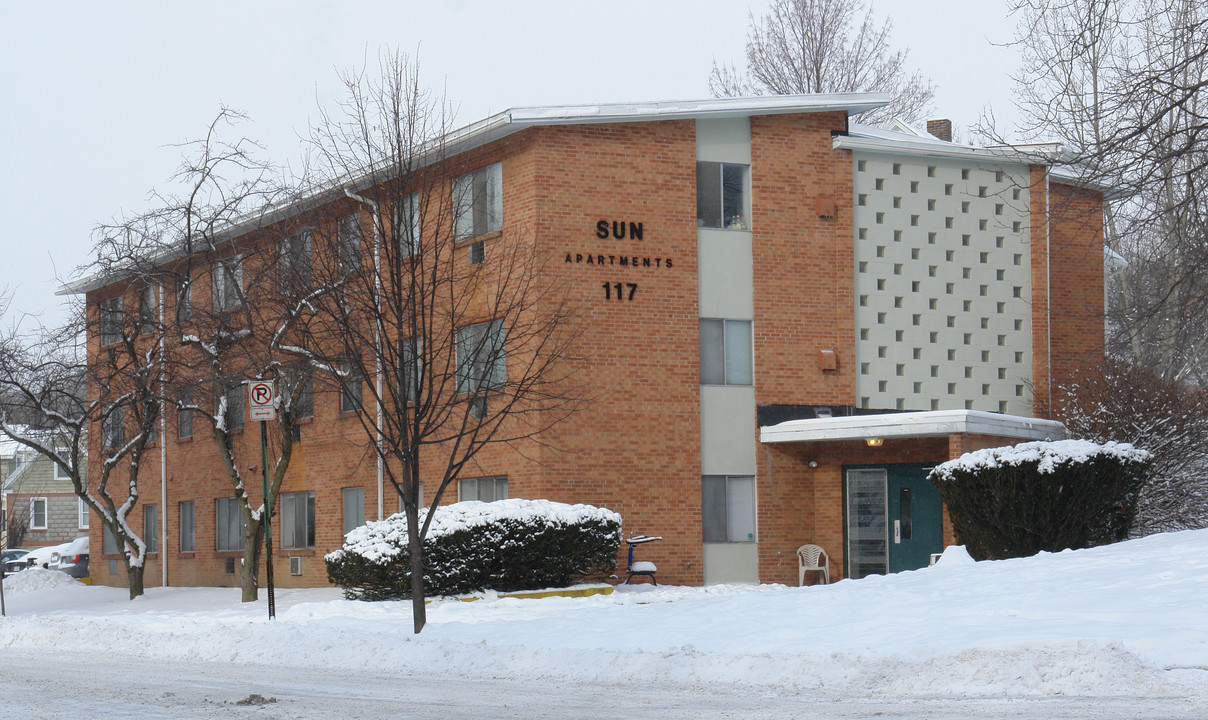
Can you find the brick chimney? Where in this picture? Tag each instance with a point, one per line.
(941, 128)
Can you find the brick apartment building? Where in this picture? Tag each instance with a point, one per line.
(790, 318)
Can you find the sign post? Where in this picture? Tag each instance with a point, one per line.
(262, 401)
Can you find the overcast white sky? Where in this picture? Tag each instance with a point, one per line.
(95, 95)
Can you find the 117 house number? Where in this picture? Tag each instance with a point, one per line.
(622, 291)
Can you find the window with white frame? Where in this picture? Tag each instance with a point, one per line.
(228, 525)
(349, 239)
(298, 520)
(722, 196)
(111, 320)
(188, 528)
(487, 489)
(228, 283)
(478, 202)
(481, 360)
(406, 224)
(293, 263)
(60, 471)
(728, 508)
(37, 513)
(83, 514)
(146, 310)
(353, 501)
(725, 352)
(151, 527)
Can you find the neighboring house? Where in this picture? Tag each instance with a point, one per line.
(790, 319)
(39, 503)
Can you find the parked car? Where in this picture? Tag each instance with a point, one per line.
(47, 557)
(13, 559)
(73, 560)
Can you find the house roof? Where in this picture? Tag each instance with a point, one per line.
(932, 423)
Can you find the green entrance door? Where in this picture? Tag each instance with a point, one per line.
(892, 519)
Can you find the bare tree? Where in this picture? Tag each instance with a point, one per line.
(442, 333)
(1123, 86)
(825, 46)
(220, 245)
(43, 374)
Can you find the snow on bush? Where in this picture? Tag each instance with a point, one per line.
(1042, 496)
(505, 545)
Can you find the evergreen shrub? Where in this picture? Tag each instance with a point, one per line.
(1042, 496)
(506, 546)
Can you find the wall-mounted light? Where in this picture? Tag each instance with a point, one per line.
(812, 463)
(874, 442)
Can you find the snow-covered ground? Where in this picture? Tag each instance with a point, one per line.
(1104, 633)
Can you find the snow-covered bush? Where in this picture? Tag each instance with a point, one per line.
(1020, 500)
(505, 545)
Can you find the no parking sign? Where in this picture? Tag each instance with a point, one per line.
(262, 400)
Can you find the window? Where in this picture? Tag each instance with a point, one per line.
(728, 508)
(478, 202)
(350, 388)
(111, 320)
(60, 471)
(188, 534)
(146, 310)
(481, 361)
(484, 489)
(37, 513)
(232, 415)
(721, 196)
(151, 527)
(82, 513)
(293, 263)
(406, 224)
(184, 414)
(725, 352)
(353, 500)
(298, 520)
(348, 241)
(108, 542)
(411, 367)
(228, 283)
(184, 299)
(228, 526)
(305, 406)
(113, 428)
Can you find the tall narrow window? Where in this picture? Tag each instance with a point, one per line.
(481, 361)
(293, 263)
(350, 388)
(411, 366)
(353, 500)
(111, 320)
(82, 513)
(188, 533)
(721, 196)
(151, 527)
(298, 520)
(348, 241)
(728, 508)
(478, 202)
(37, 513)
(113, 428)
(232, 393)
(228, 522)
(184, 299)
(305, 406)
(725, 352)
(146, 310)
(228, 283)
(184, 414)
(406, 224)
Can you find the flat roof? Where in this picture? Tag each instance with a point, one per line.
(931, 423)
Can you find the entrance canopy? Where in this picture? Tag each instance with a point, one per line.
(933, 423)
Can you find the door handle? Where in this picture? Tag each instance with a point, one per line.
(897, 532)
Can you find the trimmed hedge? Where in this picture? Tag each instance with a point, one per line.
(506, 545)
(1042, 496)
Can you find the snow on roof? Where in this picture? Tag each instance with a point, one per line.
(931, 423)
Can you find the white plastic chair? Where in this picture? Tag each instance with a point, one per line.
(812, 558)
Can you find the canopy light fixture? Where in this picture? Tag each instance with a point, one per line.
(875, 442)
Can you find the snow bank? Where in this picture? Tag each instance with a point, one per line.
(38, 578)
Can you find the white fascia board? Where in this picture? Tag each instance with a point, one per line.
(934, 423)
(932, 149)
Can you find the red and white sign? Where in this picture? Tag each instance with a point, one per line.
(262, 400)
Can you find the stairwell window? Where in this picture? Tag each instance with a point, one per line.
(478, 202)
(725, 352)
(728, 508)
(723, 196)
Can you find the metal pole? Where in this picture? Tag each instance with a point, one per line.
(268, 525)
